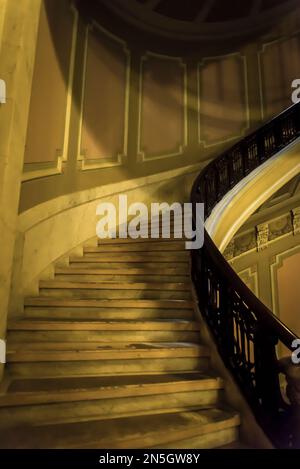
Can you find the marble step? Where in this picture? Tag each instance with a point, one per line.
(120, 303)
(154, 256)
(31, 331)
(140, 358)
(62, 352)
(101, 337)
(110, 290)
(101, 313)
(38, 402)
(98, 275)
(145, 431)
(146, 247)
(145, 241)
(105, 285)
(131, 266)
(112, 293)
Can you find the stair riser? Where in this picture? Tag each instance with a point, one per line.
(157, 286)
(208, 441)
(146, 267)
(155, 247)
(107, 303)
(73, 277)
(106, 314)
(155, 256)
(107, 408)
(117, 294)
(146, 242)
(101, 336)
(107, 367)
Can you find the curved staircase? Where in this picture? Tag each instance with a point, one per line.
(109, 356)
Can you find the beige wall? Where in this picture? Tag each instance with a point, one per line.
(45, 133)
(18, 32)
(280, 65)
(223, 87)
(104, 112)
(270, 265)
(288, 291)
(108, 107)
(162, 114)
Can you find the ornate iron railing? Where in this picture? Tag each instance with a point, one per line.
(246, 332)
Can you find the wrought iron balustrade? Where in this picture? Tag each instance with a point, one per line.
(246, 332)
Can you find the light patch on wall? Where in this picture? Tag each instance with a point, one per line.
(223, 99)
(2, 351)
(163, 107)
(105, 100)
(2, 92)
(279, 66)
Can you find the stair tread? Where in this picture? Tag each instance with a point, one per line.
(81, 345)
(117, 241)
(105, 352)
(184, 286)
(119, 303)
(83, 325)
(37, 391)
(132, 258)
(138, 377)
(140, 248)
(126, 432)
(169, 271)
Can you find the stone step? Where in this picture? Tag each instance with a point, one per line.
(107, 367)
(178, 325)
(93, 275)
(144, 431)
(72, 342)
(26, 331)
(118, 294)
(121, 257)
(38, 402)
(120, 303)
(109, 285)
(93, 351)
(168, 273)
(147, 247)
(145, 241)
(147, 259)
(106, 337)
(99, 359)
(91, 313)
(131, 266)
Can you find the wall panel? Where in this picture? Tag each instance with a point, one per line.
(162, 113)
(223, 103)
(47, 132)
(279, 65)
(104, 119)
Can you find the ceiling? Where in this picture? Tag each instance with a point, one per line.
(209, 11)
(200, 18)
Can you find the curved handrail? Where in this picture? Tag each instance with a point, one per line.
(245, 330)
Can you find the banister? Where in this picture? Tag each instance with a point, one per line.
(264, 313)
(245, 330)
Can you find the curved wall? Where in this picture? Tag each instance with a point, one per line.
(113, 110)
(109, 104)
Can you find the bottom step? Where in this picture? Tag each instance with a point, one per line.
(196, 429)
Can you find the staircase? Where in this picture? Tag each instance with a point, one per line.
(109, 356)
